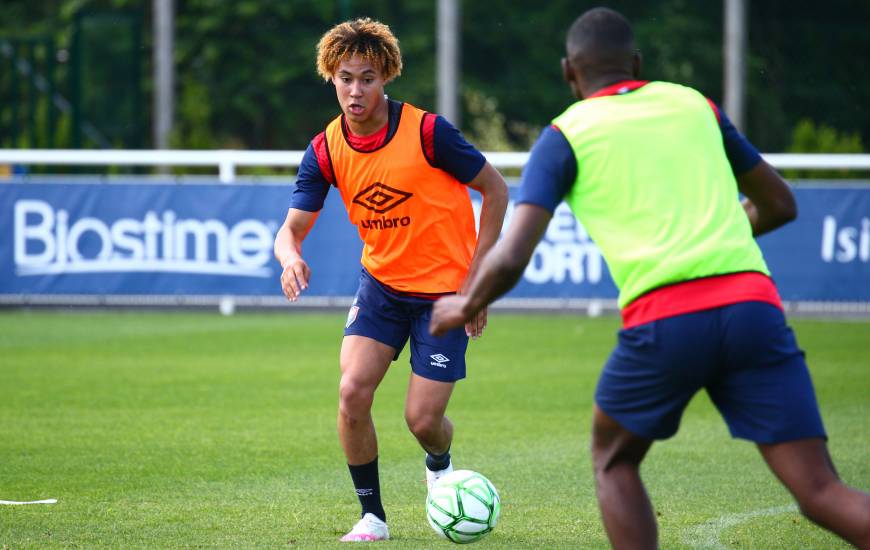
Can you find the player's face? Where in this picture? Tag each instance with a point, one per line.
(360, 90)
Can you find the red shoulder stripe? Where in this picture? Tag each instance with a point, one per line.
(715, 110)
(427, 137)
(321, 150)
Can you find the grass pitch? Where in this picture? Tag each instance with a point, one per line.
(194, 430)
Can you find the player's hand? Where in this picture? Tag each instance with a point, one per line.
(474, 327)
(447, 313)
(294, 278)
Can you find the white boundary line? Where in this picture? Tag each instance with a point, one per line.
(706, 535)
(18, 503)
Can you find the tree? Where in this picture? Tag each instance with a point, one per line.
(246, 76)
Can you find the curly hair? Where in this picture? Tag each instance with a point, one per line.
(371, 40)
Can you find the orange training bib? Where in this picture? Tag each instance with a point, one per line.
(416, 221)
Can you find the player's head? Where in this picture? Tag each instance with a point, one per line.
(600, 50)
(359, 57)
(371, 40)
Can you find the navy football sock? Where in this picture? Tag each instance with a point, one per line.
(368, 488)
(438, 462)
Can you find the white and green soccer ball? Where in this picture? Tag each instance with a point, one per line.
(463, 506)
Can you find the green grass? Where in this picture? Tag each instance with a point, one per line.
(194, 430)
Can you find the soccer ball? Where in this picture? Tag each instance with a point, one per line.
(463, 506)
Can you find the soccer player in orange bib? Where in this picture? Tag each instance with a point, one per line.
(402, 174)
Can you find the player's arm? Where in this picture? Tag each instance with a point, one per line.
(549, 174)
(768, 201)
(492, 187)
(305, 205)
(288, 251)
(499, 271)
(446, 148)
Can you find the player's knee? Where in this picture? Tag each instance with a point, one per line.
(617, 452)
(604, 451)
(354, 399)
(817, 498)
(602, 460)
(612, 445)
(422, 425)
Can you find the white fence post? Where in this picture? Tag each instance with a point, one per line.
(227, 170)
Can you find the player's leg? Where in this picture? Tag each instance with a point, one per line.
(767, 396)
(806, 469)
(364, 363)
(437, 363)
(643, 390)
(625, 506)
(375, 333)
(424, 413)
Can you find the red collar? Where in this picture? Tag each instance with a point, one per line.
(622, 87)
(366, 143)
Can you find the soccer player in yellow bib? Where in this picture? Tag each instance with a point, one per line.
(403, 175)
(652, 170)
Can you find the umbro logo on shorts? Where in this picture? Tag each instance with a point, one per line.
(381, 198)
(439, 360)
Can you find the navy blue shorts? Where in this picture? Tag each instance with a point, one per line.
(390, 318)
(744, 355)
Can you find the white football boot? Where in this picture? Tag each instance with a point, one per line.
(432, 477)
(370, 528)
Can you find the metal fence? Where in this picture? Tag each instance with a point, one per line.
(228, 162)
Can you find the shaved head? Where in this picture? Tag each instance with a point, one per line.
(601, 42)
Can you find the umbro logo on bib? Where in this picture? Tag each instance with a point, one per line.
(381, 198)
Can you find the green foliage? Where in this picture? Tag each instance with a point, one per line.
(803, 65)
(681, 41)
(807, 137)
(511, 55)
(193, 128)
(488, 130)
(256, 61)
(252, 62)
(180, 430)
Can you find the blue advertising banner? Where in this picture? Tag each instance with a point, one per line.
(822, 256)
(825, 254)
(151, 239)
(159, 239)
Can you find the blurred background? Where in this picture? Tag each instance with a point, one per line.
(81, 73)
(161, 93)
